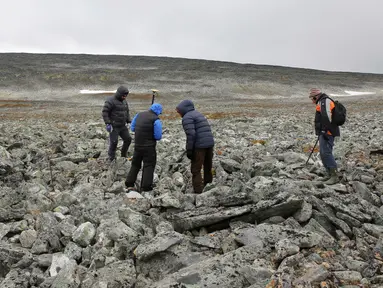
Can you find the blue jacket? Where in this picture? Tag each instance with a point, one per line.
(156, 108)
(197, 128)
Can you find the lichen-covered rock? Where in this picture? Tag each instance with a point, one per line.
(84, 234)
(27, 238)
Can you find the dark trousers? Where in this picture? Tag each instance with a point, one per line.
(148, 156)
(202, 157)
(123, 132)
(326, 144)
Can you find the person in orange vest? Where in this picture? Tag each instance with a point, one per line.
(326, 132)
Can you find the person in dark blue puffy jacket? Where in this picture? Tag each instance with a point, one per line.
(199, 144)
(148, 130)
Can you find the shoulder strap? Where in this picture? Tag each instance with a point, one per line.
(330, 99)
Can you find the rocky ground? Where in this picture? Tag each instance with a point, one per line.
(265, 221)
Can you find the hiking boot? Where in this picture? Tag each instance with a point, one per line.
(129, 185)
(333, 177)
(326, 177)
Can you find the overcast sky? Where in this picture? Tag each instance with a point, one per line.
(341, 35)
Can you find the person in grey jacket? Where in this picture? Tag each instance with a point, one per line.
(116, 115)
(199, 144)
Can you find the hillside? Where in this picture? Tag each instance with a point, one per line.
(29, 73)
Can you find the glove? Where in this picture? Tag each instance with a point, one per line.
(189, 154)
(109, 127)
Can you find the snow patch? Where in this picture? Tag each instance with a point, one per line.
(97, 92)
(353, 93)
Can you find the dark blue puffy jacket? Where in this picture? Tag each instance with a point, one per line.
(196, 126)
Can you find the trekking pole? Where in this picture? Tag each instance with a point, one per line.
(312, 150)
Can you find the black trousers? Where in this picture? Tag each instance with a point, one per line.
(201, 158)
(148, 156)
(123, 132)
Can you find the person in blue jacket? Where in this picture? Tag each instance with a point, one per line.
(148, 130)
(199, 144)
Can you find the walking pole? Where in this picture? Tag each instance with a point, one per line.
(312, 150)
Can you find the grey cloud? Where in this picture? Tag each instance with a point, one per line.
(330, 35)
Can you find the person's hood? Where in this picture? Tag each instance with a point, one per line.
(156, 108)
(185, 106)
(122, 90)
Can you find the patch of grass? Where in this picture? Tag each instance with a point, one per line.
(54, 76)
(308, 148)
(104, 78)
(173, 115)
(255, 142)
(51, 116)
(244, 89)
(12, 100)
(131, 96)
(140, 96)
(14, 105)
(265, 105)
(62, 126)
(275, 104)
(170, 115)
(225, 115)
(219, 152)
(35, 212)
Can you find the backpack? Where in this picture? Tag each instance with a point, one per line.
(338, 114)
